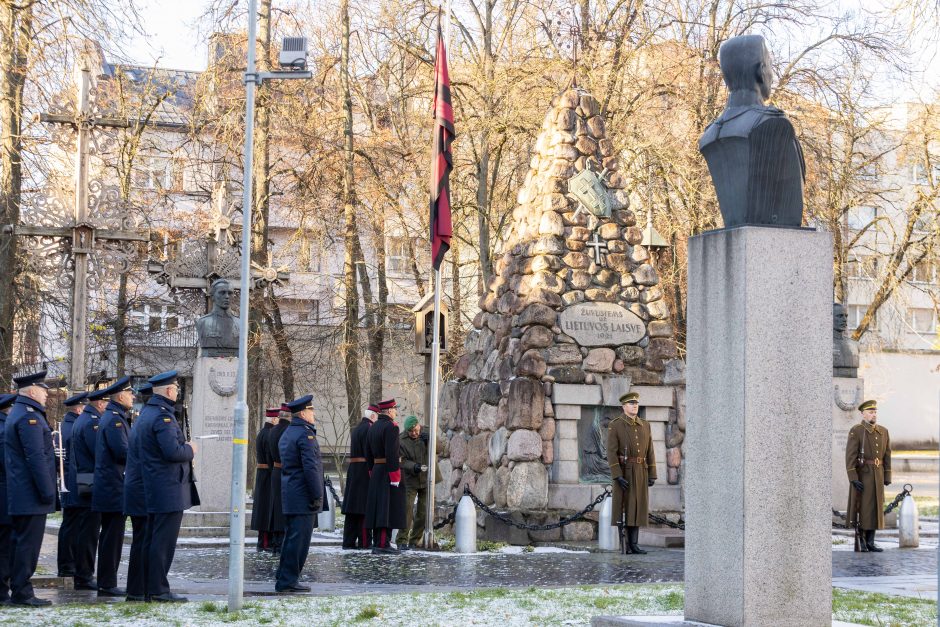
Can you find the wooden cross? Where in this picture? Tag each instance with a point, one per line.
(81, 236)
(600, 249)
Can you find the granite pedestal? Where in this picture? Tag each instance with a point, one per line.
(213, 414)
(759, 437)
(847, 394)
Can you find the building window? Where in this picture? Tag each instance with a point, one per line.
(297, 311)
(397, 255)
(856, 313)
(922, 320)
(924, 272)
(153, 172)
(861, 267)
(155, 317)
(861, 217)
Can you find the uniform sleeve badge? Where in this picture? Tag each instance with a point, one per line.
(167, 419)
(118, 424)
(33, 421)
(309, 437)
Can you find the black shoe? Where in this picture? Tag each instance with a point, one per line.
(405, 547)
(635, 548)
(385, 551)
(86, 585)
(135, 598)
(870, 541)
(111, 592)
(874, 548)
(33, 602)
(297, 587)
(169, 597)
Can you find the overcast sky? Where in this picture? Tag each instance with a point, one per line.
(172, 37)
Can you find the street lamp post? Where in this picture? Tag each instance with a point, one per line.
(253, 78)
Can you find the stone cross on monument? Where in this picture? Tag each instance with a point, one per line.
(98, 235)
(600, 249)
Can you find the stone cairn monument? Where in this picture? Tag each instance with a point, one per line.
(214, 399)
(573, 318)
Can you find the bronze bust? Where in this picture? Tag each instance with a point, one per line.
(754, 158)
(218, 330)
(844, 349)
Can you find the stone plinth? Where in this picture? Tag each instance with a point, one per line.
(213, 413)
(848, 394)
(759, 407)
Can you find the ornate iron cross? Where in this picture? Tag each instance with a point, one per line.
(97, 236)
(600, 249)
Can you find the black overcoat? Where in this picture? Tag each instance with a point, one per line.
(277, 511)
(385, 504)
(261, 498)
(357, 477)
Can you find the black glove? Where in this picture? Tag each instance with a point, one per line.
(858, 485)
(317, 505)
(887, 482)
(424, 437)
(650, 482)
(623, 483)
(417, 469)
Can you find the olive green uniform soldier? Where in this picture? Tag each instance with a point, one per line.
(413, 448)
(632, 470)
(868, 464)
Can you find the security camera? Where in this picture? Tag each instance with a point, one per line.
(293, 53)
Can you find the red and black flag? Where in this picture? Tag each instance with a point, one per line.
(441, 159)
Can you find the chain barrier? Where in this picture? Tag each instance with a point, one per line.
(665, 521)
(907, 489)
(557, 525)
(329, 484)
(449, 519)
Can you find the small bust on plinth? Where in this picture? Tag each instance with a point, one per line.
(844, 349)
(218, 330)
(754, 158)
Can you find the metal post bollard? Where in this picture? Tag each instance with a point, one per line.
(465, 526)
(908, 524)
(607, 539)
(326, 521)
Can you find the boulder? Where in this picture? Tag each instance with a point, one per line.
(537, 313)
(486, 484)
(579, 279)
(674, 373)
(442, 487)
(567, 374)
(674, 437)
(599, 360)
(572, 298)
(526, 404)
(633, 235)
(556, 202)
(528, 486)
(673, 457)
(497, 445)
(578, 531)
(563, 354)
(539, 295)
(624, 217)
(606, 278)
(487, 418)
(589, 106)
(639, 254)
(544, 280)
(458, 450)
(447, 407)
(662, 348)
(532, 364)
(585, 145)
(548, 244)
(610, 230)
(537, 336)
(548, 452)
(651, 294)
(596, 127)
(524, 446)
(672, 476)
(478, 452)
(540, 263)
(547, 430)
(599, 294)
(578, 261)
(658, 310)
(645, 275)
(642, 376)
(618, 262)
(502, 486)
(660, 328)
(490, 393)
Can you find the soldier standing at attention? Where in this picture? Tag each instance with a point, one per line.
(868, 464)
(355, 534)
(30, 471)
(65, 557)
(6, 523)
(277, 515)
(385, 504)
(632, 469)
(107, 497)
(261, 498)
(302, 494)
(135, 506)
(165, 460)
(82, 469)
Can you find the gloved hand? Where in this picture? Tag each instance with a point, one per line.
(623, 483)
(650, 482)
(424, 437)
(887, 482)
(418, 468)
(317, 505)
(858, 485)
(395, 483)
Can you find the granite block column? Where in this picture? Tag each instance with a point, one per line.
(759, 376)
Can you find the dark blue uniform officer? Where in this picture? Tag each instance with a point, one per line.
(107, 497)
(301, 492)
(6, 523)
(65, 557)
(82, 473)
(31, 486)
(165, 458)
(135, 506)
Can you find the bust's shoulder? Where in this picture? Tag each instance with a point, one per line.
(739, 122)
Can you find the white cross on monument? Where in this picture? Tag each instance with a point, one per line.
(600, 249)
(80, 236)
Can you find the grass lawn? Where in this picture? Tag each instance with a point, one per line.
(927, 505)
(501, 607)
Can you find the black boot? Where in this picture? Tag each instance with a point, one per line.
(624, 542)
(870, 541)
(634, 539)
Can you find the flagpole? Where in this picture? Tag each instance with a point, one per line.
(432, 421)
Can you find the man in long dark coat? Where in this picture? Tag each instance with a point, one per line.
(385, 504)
(6, 523)
(868, 464)
(65, 557)
(355, 533)
(277, 511)
(135, 506)
(84, 441)
(261, 498)
(632, 471)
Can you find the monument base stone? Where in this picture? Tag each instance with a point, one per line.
(848, 394)
(213, 414)
(759, 435)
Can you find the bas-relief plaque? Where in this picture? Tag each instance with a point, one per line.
(602, 324)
